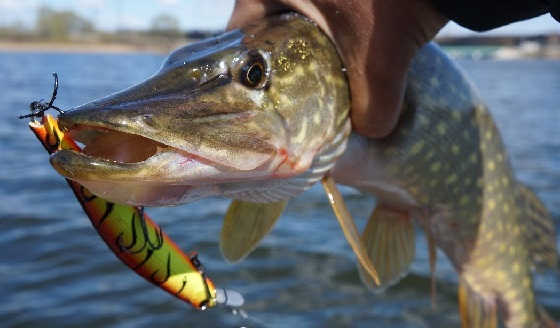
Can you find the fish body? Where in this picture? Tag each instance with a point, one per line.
(261, 114)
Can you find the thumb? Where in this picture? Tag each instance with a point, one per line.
(247, 11)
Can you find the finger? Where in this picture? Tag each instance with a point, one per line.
(378, 83)
(377, 69)
(246, 11)
(377, 103)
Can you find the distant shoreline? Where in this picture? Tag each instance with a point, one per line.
(73, 47)
(527, 50)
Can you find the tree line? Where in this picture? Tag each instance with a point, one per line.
(60, 25)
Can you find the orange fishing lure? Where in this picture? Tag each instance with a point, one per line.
(134, 237)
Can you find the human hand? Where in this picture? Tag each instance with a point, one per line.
(376, 39)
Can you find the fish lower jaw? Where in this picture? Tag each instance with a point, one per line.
(159, 167)
(165, 179)
(147, 194)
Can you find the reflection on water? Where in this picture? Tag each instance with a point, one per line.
(54, 269)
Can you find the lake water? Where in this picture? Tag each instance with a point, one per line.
(55, 270)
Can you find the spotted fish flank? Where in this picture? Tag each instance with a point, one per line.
(448, 168)
(261, 114)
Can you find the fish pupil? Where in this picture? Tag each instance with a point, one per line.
(254, 74)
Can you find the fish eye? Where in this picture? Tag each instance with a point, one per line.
(253, 73)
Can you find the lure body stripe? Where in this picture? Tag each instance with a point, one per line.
(133, 237)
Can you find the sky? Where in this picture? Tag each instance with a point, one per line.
(193, 14)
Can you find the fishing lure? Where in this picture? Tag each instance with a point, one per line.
(134, 237)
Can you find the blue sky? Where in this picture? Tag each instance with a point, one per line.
(193, 14)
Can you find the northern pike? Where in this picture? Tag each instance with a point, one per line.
(260, 114)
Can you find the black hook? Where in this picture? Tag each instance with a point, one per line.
(39, 107)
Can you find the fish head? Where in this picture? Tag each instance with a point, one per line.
(248, 105)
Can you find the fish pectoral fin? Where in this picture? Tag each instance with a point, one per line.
(389, 239)
(474, 311)
(245, 224)
(349, 227)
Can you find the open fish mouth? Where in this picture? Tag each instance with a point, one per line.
(121, 156)
(116, 146)
(133, 169)
(129, 168)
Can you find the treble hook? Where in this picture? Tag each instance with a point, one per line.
(39, 107)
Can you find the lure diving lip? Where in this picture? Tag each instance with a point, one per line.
(136, 240)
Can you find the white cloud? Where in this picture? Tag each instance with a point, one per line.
(91, 4)
(168, 2)
(207, 14)
(13, 4)
(12, 11)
